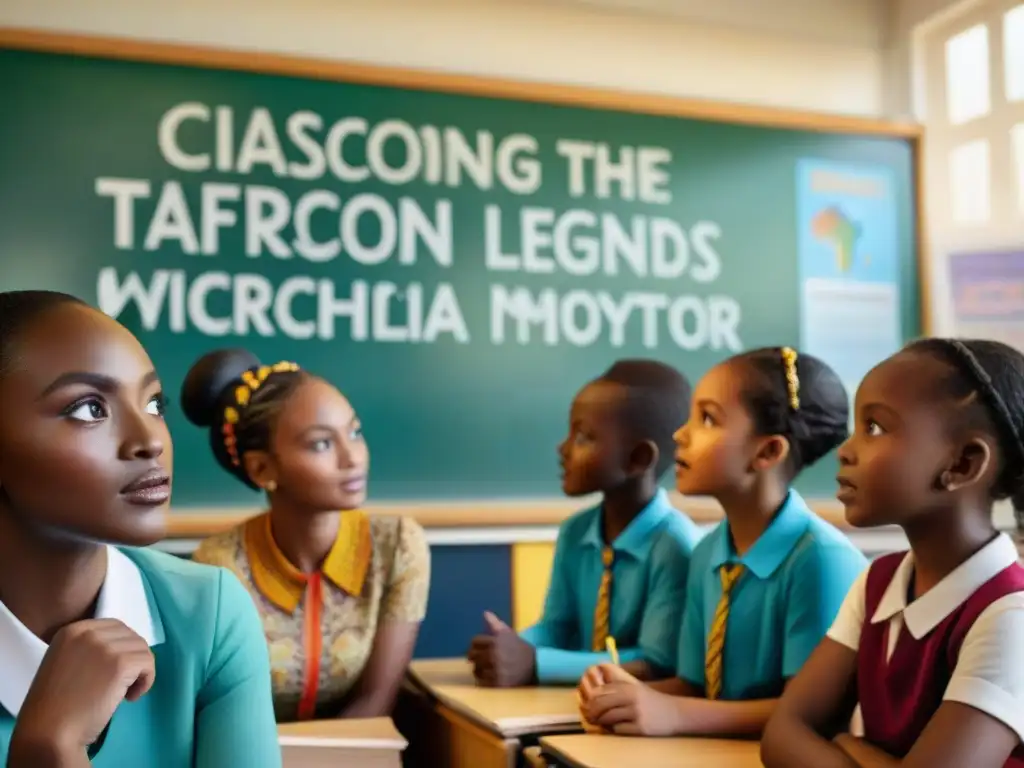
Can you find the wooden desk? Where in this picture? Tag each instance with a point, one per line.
(370, 743)
(450, 721)
(586, 750)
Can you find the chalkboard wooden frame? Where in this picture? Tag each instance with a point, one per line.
(198, 523)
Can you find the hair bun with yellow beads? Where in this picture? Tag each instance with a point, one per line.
(241, 394)
(203, 390)
(228, 392)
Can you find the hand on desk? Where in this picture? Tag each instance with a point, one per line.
(613, 699)
(501, 658)
(594, 678)
(591, 681)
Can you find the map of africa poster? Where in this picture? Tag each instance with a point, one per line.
(849, 314)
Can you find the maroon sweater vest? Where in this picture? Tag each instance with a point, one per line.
(898, 698)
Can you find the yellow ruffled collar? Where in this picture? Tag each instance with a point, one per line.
(283, 584)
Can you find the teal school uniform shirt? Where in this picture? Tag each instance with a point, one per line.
(210, 704)
(649, 571)
(797, 574)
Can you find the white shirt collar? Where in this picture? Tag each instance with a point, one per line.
(930, 609)
(123, 597)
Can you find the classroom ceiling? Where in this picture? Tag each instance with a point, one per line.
(855, 22)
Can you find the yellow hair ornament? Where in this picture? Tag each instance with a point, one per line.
(243, 394)
(792, 379)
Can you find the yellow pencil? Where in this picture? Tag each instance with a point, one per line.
(613, 650)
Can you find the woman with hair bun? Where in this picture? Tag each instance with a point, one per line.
(341, 593)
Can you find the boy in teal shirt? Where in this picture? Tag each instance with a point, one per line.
(620, 567)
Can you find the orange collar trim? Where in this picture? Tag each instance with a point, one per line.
(283, 584)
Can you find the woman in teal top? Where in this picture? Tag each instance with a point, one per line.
(109, 656)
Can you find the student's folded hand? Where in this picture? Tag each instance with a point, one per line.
(588, 727)
(592, 679)
(501, 658)
(89, 669)
(602, 674)
(613, 673)
(626, 706)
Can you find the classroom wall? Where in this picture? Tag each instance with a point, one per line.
(820, 55)
(916, 77)
(810, 54)
(902, 75)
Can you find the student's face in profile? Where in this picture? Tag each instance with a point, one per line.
(717, 445)
(84, 449)
(319, 456)
(594, 455)
(890, 466)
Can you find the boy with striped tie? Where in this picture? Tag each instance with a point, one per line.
(620, 567)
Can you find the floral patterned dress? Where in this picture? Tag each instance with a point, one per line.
(320, 627)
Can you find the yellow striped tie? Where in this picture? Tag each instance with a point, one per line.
(716, 637)
(603, 609)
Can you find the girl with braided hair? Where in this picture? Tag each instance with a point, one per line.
(341, 593)
(930, 642)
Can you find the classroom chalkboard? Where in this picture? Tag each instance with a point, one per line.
(457, 264)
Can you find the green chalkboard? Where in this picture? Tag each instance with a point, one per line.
(489, 272)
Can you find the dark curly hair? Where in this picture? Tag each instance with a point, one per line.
(656, 404)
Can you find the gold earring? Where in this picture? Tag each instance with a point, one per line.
(270, 487)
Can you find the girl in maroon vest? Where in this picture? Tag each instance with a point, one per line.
(929, 642)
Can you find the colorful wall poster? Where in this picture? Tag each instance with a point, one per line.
(988, 303)
(849, 266)
(988, 295)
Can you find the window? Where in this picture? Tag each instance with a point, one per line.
(967, 75)
(1013, 53)
(1018, 153)
(970, 79)
(969, 182)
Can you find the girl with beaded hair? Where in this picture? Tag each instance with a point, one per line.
(341, 593)
(765, 584)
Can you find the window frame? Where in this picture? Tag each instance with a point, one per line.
(1006, 194)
